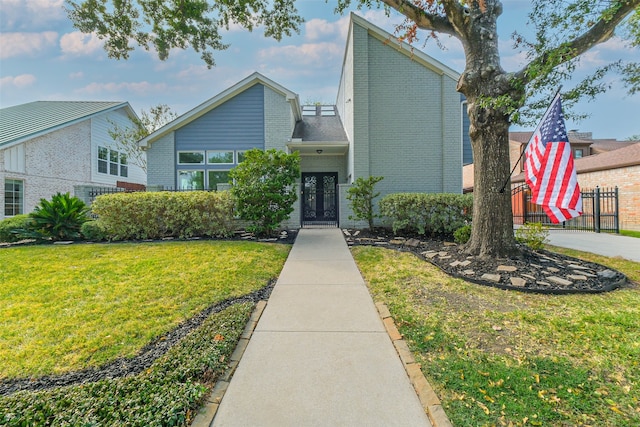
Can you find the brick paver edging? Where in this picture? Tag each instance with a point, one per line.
(212, 402)
(427, 396)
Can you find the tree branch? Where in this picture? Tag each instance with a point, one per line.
(599, 33)
(425, 20)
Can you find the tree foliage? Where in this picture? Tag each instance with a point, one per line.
(264, 188)
(127, 137)
(361, 196)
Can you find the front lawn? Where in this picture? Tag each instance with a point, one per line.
(70, 307)
(501, 358)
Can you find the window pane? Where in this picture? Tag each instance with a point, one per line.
(113, 156)
(102, 166)
(196, 158)
(102, 153)
(13, 196)
(191, 180)
(220, 157)
(240, 155)
(218, 177)
(123, 159)
(113, 168)
(124, 170)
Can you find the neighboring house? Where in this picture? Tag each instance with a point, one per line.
(60, 146)
(618, 168)
(397, 115)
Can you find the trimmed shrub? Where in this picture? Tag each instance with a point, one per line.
(532, 234)
(14, 228)
(59, 218)
(361, 196)
(422, 213)
(462, 234)
(93, 231)
(154, 215)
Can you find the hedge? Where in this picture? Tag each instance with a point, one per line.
(169, 393)
(155, 215)
(422, 213)
(10, 228)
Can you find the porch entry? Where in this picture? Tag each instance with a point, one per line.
(319, 199)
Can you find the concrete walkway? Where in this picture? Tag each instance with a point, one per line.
(320, 355)
(611, 245)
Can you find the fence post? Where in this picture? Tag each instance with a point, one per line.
(616, 217)
(596, 210)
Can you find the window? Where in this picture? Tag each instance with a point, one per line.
(578, 153)
(217, 177)
(13, 197)
(239, 157)
(112, 162)
(191, 180)
(103, 160)
(220, 157)
(191, 157)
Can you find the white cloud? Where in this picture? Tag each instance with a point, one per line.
(308, 54)
(29, 14)
(77, 43)
(17, 44)
(21, 81)
(126, 88)
(76, 75)
(317, 29)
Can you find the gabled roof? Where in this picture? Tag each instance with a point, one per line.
(221, 98)
(22, 122)
(405, 48)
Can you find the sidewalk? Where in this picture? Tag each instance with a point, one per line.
(320, 355)
(611, 245)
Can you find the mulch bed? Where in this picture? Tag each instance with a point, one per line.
(532, 271)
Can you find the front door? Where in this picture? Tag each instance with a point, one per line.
(319, 198)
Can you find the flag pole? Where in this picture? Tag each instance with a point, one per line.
(525, 147)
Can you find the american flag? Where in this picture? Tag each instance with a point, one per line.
(549, 168)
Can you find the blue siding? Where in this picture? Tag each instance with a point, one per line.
(238, 124)
(467, 153)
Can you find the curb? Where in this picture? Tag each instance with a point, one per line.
(208, 411)
(426, 395)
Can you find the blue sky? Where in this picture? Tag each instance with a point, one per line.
(42, 57)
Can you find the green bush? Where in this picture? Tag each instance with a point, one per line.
(167, 394)
(532, 234)
(13, 229)
(422, 213)
(59, 218)
(361, 196)
(154, 215)
(93, 231)
(462, 234)
(264, 188)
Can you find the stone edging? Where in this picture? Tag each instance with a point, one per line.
(212, 402)
(427, 396)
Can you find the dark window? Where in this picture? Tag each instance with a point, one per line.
(13, 197)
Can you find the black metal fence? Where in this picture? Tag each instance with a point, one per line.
(599, 205)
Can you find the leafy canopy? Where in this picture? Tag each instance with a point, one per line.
(264, 188)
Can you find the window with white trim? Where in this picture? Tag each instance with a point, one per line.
(112, 162)
(191, 157)
(217, 157)
(191, 179)
(217, 177)
(13, 197)
(239, 156)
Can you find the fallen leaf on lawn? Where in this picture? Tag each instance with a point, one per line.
(218, 337)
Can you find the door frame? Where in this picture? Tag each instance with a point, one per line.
(323, 222)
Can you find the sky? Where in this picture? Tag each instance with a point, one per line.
(42, 57)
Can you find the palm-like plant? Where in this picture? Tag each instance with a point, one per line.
(60, 218)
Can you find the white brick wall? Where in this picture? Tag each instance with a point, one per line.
(161, 162)
(278, 121)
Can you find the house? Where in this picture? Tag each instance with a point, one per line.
(397, 115)
(60, 146)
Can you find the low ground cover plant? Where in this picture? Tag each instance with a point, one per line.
(508, 358)
(71, 307)
(431, 214)
(156, 215)
(14, 228)
(533, 234)
(169, 393)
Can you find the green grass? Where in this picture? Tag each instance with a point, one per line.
(69, 307)
(630, 233)
(508, 358)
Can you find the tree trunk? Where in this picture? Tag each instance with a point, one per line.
(492, 231)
